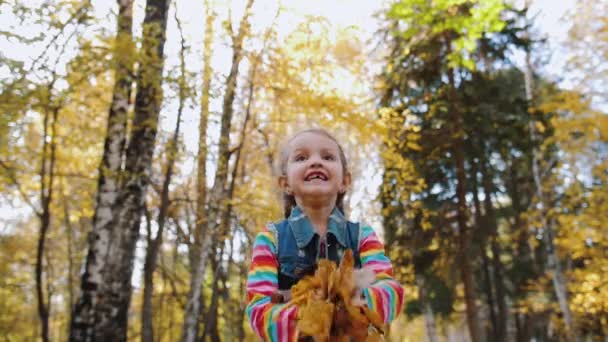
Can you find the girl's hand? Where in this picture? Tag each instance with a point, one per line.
(281, 296)
(363, 277)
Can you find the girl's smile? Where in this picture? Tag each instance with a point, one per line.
(314, 170)
(315, 175)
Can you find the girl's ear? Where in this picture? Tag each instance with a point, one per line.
(282, 181)
(346, 181)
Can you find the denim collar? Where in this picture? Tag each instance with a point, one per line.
(303, 231)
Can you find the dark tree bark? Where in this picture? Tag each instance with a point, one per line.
(243, 292)
(464, 239)
(245, 251)
(153, 249)
(492, 224)
(47, 173)
(115, 292)
(483, 237)
(429, 315)
(211, 317)
(83, 316)
(69, 231)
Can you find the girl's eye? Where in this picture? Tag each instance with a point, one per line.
(299, 157)
(329, 157)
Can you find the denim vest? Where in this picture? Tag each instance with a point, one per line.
(298, 244)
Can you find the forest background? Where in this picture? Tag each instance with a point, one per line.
(138, 142)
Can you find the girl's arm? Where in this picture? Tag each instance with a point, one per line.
(385, 295)
(271, 322)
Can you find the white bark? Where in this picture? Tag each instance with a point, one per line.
(559, 281)
(216, 199)
(111, 319)
(84, 313)
(201, 240)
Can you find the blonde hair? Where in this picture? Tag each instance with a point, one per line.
(289, 201)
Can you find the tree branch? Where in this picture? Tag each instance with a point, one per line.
(13, 178)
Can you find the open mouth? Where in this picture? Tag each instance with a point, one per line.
(315, 175)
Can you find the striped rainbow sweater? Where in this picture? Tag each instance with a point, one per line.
(274, 322)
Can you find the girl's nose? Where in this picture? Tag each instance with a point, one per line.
(315, 160)
(315, 164)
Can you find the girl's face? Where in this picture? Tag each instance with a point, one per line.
(314, 171)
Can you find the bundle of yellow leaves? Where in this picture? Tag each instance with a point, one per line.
(326, 307)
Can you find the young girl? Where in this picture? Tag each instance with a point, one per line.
(314, 178)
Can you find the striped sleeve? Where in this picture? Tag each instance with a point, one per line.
(271, 322)
(385, 295)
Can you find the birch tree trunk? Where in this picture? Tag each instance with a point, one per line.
(83, 316)
(147, 334)
(115, 292)
(216, 201)
(195, 300)
(211, 327)
(553, 263)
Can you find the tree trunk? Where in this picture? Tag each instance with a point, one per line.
(146, 311)
(69, 231)
(491, 221)
(211, 328)
(493, 331)
(147, 334)
(243, 292)
(232, 311)
(245, 249)
(47, 173)
(211, 319)
(466, 268)
(115, 293)
(553, 263)
(193, 304)
(427, 310)
(201, 177)
(217, 200)
(84, 314)
(483, 237)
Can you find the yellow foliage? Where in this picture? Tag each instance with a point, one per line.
(326, 310)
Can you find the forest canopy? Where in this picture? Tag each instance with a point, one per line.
(139, 143)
